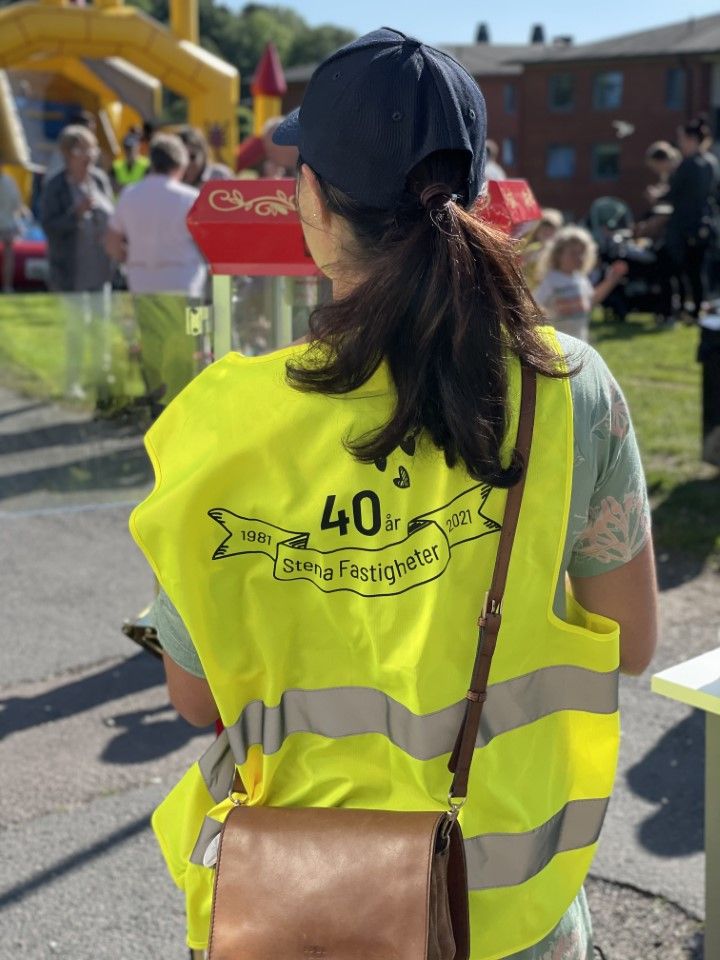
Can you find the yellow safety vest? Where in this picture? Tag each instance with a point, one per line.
(125, 175)
(333, 605)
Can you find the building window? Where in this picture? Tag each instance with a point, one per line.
(675, 88)
(508, 152)
(560, 164)
(510, 98)
(606, 161)
(608, 90)
(561, 92)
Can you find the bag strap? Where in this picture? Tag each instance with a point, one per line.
(491, 617)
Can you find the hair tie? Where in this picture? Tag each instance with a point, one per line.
(436, 191)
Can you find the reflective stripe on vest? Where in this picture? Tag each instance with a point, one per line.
(500, 860)
(348, 711)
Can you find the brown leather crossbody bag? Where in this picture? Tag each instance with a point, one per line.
(344, 884)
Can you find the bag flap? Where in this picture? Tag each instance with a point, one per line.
(331, 884)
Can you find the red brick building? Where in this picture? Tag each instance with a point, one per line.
(588, 113)
(576, 120)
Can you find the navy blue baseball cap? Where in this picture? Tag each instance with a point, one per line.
(377, 107)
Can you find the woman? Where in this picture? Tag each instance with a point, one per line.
(662, 159)
(76, 205)
(324, 524)
(691, 225)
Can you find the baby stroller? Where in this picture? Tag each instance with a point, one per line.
(610, 221)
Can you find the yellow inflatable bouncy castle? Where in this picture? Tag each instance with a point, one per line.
(59, 37)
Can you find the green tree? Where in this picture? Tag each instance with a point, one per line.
(314, 43)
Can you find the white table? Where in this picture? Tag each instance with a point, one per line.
(696, 682)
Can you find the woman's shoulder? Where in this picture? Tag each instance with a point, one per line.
(234, 382)
(592, 386)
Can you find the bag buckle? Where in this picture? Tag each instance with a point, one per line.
(455, 805)
(237, 794)
(489, 606)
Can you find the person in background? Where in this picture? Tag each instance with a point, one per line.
(692, 222)
(537, 242)
(147, 133)
(200, 168)
(662, 159)
(493, 170)
(56, 163)
(401, 404)
(11, 210)
(131, 166)
(149, 234)
(565, 292)
(75, 207)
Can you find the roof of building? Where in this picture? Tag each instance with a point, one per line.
(484, 59)
(479, 59)
(694, 35)
(300, 74)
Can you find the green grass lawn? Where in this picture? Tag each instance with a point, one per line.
(660, 377)
(35, 333)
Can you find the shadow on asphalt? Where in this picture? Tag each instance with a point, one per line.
(145, 735)
(66, 434)
(16, 411)
(127, 468)
(672, 775)
(73, 862)
(142, 735)
(689, 519)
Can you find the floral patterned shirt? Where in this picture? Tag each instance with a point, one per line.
(609, 520)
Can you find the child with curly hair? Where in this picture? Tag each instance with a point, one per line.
(565, 293)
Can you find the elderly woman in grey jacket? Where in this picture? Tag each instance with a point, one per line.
(75, 208)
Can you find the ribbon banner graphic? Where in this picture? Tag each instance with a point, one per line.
(420, 556)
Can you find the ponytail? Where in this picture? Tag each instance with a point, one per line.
(443, 300)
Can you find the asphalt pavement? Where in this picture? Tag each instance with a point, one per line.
(89, 745)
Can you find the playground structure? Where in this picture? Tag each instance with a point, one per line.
(111, 59)
(268, 88)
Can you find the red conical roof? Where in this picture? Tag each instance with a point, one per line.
(269, 78)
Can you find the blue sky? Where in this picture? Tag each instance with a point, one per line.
(454, 21)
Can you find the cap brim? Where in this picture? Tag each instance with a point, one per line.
(288, 133)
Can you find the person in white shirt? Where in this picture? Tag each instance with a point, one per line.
(11, 207)
(566, 294)
(148, 233)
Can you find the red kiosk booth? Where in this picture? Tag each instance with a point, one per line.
(250, 229)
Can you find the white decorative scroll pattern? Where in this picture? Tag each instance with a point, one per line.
(228, 201)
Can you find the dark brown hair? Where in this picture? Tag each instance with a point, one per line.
(698, 129)
(443, 300)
